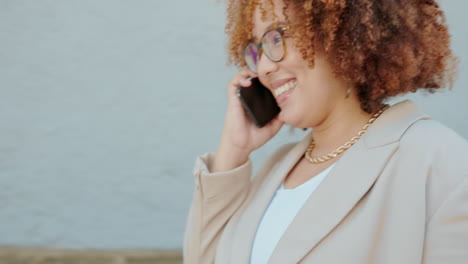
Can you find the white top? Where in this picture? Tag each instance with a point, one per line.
(279, 214)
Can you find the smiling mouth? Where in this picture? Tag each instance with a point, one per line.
(284, 88)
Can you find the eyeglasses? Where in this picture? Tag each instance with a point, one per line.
(272, 43)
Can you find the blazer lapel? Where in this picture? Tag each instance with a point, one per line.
(350, 179)
(341, 189)
(248, 223)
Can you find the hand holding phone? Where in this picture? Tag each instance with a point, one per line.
(258, 102)
(239, 137)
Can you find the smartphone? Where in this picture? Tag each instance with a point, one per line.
(258, 102)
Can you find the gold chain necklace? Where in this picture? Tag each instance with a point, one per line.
(343, 147)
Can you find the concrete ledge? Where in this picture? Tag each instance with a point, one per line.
(64, 256)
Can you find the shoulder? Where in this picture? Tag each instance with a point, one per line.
(432, 138)
(437, 149)
(441, 155)
(416, 133)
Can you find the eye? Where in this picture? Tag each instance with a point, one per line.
(277, 39)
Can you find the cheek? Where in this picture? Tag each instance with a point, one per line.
(319, 84)
(313, 98)
(313, 88)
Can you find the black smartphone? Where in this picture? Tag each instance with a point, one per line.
(258, 102)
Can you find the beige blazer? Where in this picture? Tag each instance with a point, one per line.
(399, 195)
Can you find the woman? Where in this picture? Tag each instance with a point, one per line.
(371, 183)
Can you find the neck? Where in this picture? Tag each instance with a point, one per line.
(343, 123)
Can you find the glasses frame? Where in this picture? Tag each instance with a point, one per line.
(259, 48)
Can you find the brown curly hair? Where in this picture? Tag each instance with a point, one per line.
(383, 48)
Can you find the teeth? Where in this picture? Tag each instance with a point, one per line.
(285, 87)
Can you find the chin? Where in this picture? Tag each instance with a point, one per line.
(291, 119)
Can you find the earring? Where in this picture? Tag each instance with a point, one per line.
(348, 92)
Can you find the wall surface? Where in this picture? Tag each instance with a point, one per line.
(104, 106)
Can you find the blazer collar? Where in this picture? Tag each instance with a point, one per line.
(393, 123)
(352, 176)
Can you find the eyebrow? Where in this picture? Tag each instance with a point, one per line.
(270, 27)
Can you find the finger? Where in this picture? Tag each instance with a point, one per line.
(246, 73)
(245, 82)
(243, 77)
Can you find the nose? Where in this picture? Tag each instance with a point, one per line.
(265, 66)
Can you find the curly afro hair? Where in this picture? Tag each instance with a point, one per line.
(383, 48)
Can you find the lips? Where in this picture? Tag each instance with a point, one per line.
(283, 88)
(278, 83)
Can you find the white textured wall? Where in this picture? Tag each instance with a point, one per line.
(104, 106)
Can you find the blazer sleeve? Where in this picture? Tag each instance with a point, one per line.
(216, 198)
(447, 230)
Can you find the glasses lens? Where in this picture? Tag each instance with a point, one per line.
(251, 56)
(272, 44)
